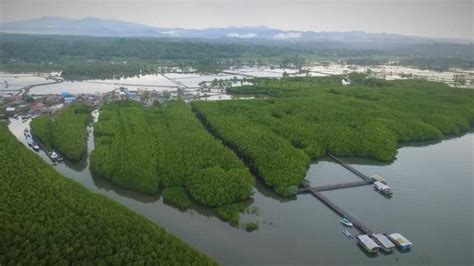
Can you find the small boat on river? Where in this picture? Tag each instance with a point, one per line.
(347, 233)
(55, 157)
(382, 188)
(32, 143)
(346, 222)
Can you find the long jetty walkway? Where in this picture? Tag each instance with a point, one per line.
(316, 192)
(336, 186)
(350, 168)
(359, 225)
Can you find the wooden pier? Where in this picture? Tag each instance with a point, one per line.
(341, 212)
(316, 192)
(350, 168)
(336, 186)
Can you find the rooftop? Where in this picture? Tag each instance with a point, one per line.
(401, 240)
(367, 241)
(384, 241)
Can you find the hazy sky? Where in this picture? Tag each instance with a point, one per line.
(440, 18)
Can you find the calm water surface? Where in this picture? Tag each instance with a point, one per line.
(432, 206)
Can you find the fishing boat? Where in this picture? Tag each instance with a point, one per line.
(368, 244)
(35, 146)
(382, 188)
(347, 233)
(32, 143)
(346, 222)
(400, 241)
(55, 157)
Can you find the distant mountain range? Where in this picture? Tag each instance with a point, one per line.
(114, 28)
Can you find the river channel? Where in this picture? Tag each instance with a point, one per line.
(432, 206)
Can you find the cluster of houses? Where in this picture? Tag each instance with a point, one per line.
(29, 105)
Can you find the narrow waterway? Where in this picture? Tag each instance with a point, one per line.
(432, 206)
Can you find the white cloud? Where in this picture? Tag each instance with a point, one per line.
(238, 35)
(287, 35)
(171, 33)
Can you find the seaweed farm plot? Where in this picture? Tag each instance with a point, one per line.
(308, 117)
(166, 148)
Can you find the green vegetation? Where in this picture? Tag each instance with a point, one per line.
(163, 147)
(306, 117)
(47, 219)
(251, 226)
(176, 196)
(231, 212)
(80, 57)
(102, 58)
(65, 132)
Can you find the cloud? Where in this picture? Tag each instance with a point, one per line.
(287, 35)
(171, 33)
(238, 35)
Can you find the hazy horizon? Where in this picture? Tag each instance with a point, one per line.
(442, 18)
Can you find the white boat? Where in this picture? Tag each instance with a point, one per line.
(55, 157)
(382, 188)
(346, 222)
(32, 143)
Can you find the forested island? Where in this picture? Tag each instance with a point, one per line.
(47, 219)
(64, 131)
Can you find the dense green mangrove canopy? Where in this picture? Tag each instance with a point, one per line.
(166, 147)
(302, 118)
(65, 131)
(47, 219)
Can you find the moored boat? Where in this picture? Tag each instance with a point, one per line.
(32, 143)
(385, 243)
(400, 241)
(346, 222)
(368, 244)
(55, 157)
(382, 188)
(347, 233)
